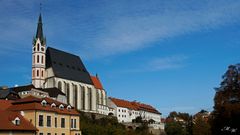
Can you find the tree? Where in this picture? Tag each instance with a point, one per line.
(226, 114)
(201, 126)
(178, 124)
(174, 128)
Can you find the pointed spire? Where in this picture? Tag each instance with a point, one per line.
(39, 33)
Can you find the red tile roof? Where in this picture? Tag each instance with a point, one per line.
(145, 107)
(96, 82)
(6, 123)
(123, 103)
(4, 104)
(34, 103)
(134, 105)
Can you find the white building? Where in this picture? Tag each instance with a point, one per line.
(53, 68)
(127, 112)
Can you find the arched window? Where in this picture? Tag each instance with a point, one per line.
(60, 85)
(68, 92)
(33, 73)
(37, 73)
(83, 97)
(37, 58)
(90, 98)
(42, 59)
(38, 47)
(97, 96)
(76, 96)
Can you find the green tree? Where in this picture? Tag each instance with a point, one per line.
(201, 126)
(175, 128)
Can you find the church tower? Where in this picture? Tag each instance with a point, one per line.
(38, 56)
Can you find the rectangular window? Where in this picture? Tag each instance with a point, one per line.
(40, 133)
(48, 121)
(75, 123)
(55, 121)
(63, 133)
(62, 122)
(40, 120)
(48, 133)
(71, 123)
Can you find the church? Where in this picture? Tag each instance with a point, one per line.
(53, 68)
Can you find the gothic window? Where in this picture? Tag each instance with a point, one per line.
(90, 98)
(68, 93)
(73, 94)
(83, 97)
(102, 97)
(97, 97)
(76, 96)
(37, 58)
(42, 49)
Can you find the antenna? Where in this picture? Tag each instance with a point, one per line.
(40, 6)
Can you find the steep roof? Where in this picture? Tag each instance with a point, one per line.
(123, 103)
(96, 82)
(6, 123)
(67, 66)
(34, 103)
(39, 33)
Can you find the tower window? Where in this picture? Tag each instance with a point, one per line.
(33, 58)
(42, 49)
(33, 74)
(37, 58)
(42, 59)
(37, 73)
(38, 47)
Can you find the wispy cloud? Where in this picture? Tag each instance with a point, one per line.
(161, 63)
(98, 29)
(141, 28)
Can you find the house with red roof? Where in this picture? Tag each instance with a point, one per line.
(41, 116)
(13, 123)
(128, 111)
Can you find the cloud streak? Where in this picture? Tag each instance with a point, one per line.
(101, 29)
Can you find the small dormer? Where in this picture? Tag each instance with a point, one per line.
(69, 107)
(16, 121)
(53, 105)
(44, 103)
(61, 107)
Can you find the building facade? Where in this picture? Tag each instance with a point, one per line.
(49, 116)
(128, 112)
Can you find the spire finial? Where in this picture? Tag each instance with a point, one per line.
(40, 7)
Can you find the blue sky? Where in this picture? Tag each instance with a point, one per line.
(170, 54)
